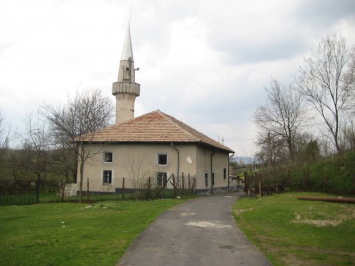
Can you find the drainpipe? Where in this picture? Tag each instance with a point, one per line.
(230, 157)
(178, 161)
(213, 153)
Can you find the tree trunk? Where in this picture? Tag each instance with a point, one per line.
(81, 182)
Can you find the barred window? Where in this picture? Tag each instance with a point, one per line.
(107, 177)
(162, 179)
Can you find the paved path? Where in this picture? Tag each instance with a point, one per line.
(198, 232)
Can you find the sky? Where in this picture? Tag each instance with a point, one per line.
(205, 62)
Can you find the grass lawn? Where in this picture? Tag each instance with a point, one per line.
(73, 233)
(297, 232)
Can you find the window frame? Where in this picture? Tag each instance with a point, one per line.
(206, 179)
(104, 177)
(158, 157)
(162, 179)
(224, 173)
(107, 153)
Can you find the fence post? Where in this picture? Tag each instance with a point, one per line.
(37, 188)
(183, 181)
(246, 182)
(175, 192)
(260, 180)
(149, 196)
(189, 181)
(62, 189)
(123, 188)
(87, 189)
(6, 197)
(260, 183)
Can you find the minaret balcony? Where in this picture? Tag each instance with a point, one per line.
(126, 87)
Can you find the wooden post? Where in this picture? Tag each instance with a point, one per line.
(189, 181)
(175, 192)
(149, 187)
(246, 182)
(163, 187)
(37, 188)
(87, 189)
(62, 189)
(6, 194)
(183, 181)
(123, 188)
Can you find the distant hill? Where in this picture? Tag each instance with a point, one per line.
(243, 160)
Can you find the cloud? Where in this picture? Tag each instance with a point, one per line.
(204, 62)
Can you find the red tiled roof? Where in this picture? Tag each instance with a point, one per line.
(155, 127)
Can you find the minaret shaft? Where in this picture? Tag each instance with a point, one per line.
(125, 89)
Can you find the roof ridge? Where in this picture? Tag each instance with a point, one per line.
(155, 126)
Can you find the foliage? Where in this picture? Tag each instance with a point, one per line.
(334, 175)
(294, 232)
(74, 234)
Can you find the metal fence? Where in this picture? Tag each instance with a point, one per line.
(19, 192)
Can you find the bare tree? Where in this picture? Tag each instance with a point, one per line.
(71, 124)
(4, 132)
(280, 118)
(4, 142)
(139, 169)
(348, 130)
(327, 82)
(36, 139)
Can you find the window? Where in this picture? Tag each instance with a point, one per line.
(108, 157)
(206, 179)
(212, 179)
(224, 173)
(107, 177)
(162, 179)
(162, 159)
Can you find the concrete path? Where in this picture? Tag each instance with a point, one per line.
(198, 232)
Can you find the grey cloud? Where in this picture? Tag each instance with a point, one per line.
(248, 52)
(322, 13)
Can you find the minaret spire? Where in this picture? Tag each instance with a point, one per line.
(127, 52)
(125, 89)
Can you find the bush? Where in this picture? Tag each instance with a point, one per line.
(335, 175)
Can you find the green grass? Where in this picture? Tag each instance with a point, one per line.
(73, 233)
(52, 197)
(295, 232)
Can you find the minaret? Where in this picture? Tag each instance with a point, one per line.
(125, 89)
